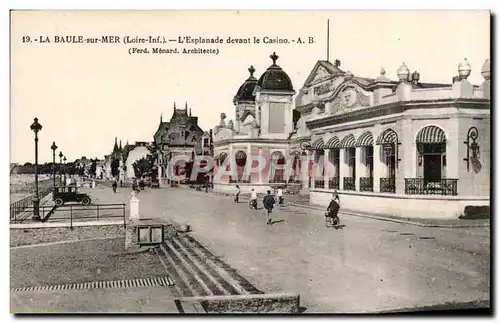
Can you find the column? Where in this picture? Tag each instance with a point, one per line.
(328, 167)
(343, 167)
(304, 170)
(377, 168)
(313, 175)
(359, 167)
(407, 153)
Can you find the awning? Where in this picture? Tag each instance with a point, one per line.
(333, 143)
(318, 144)
(431, 135)
(366, 139)
(348, 142)
(389, 136)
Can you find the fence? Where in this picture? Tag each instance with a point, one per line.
(94, 212)
(25, 204)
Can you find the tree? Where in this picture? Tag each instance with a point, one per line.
(115, 164)
(93, 167)
(143, 167)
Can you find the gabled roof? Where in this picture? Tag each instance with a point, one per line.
(329, 67)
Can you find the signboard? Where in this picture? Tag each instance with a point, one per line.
(149, 235)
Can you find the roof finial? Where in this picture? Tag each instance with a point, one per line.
(251, 69)
(274, 57)
(174, 105)
(161, 117)
(189, 111)
(186, 105)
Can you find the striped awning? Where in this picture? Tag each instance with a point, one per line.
(366, 139)
(389, 136)
(431, 135)
(295, 153)
(333, 143)
(318, 144)
(348, 142)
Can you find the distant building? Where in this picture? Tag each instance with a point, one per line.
(181, 135)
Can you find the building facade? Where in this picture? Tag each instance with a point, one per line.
(401, 147)
(180, 136)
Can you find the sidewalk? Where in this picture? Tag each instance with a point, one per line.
(440, 223)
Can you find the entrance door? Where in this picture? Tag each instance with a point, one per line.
(432, 168)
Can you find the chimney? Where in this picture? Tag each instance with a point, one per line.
(337, 63)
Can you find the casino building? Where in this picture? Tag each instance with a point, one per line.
(401, 147)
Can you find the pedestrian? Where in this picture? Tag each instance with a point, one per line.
(253, 199)
(269, 202)
(115, 184)
(237, 196)
(280, 196)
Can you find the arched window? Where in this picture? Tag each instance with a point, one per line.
(431, 155)
(277, 162)
(240, 160)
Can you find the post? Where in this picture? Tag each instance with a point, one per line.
(36, 127)
(54, 147)
(134, 207)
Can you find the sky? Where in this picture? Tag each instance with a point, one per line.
(85, 95)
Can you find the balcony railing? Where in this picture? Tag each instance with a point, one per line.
(294, 181)
(333, 183)
(349, 184)
(279, 180)
(388, 185)
(243, 181)
(419, 186)
(319, 183)
(366, 184)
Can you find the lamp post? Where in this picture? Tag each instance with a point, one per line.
(60, 166)
(54, 147)
(64, 160)
(36, 127)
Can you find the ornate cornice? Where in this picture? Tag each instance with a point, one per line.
(397, 107)
(251, 141)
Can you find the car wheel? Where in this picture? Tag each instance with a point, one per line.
(59, 201)
(86, 200)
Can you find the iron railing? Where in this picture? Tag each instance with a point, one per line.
(26, 204)
(319, 183)
(94, 212)
(333, 183)
(420, 186)
(366, 184)
(349, 184)
(388, 185)
(244, 181)
(280, 181)
(21, 214)
(294, 181)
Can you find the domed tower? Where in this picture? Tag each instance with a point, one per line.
(244, 101)
(274, 96)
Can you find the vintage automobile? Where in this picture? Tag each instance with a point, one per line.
(63, 194)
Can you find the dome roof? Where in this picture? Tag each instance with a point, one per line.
(245, 92)
(486, 69)
(403, 72)
(275, 79)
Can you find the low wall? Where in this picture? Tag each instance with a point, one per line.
(254, 303)
(407, 206)
(26, 234)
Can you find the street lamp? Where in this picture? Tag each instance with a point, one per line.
(60, 166)
(36, 127)
(64, 160)
(54, 147)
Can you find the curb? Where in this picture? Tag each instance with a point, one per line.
(420, 224)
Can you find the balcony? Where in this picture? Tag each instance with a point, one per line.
(366, 184)
(388, 185)
(333, 183)
(319, 183)
(349, 184)
(277, 181)
(294, 181)
(419, 186)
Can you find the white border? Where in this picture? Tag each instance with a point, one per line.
(187, 4)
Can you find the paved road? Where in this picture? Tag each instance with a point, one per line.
(369, 265)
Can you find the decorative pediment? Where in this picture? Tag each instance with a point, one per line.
(248, 119)
(317, 74)
(350, 96)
